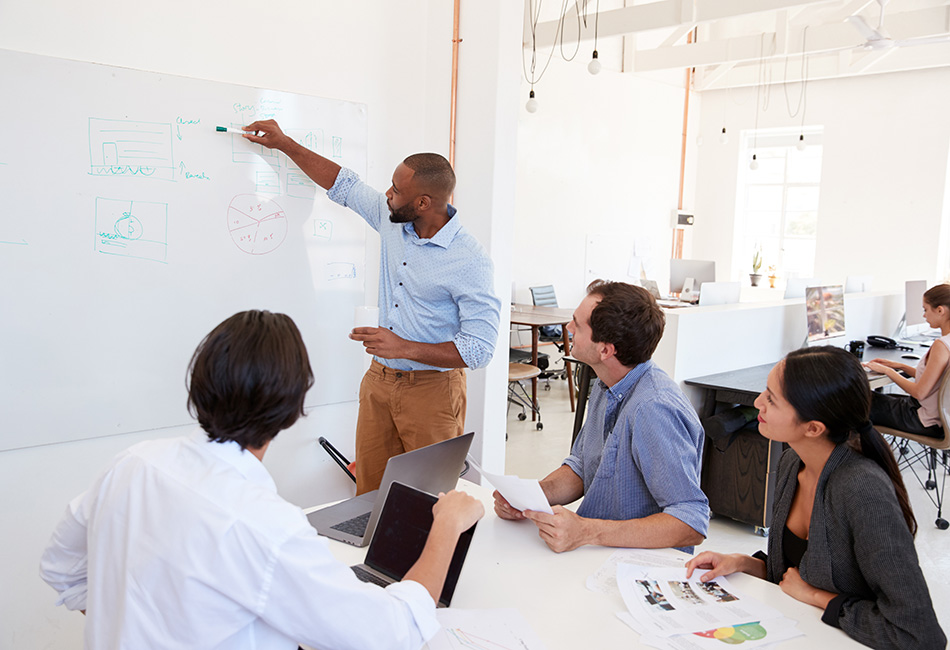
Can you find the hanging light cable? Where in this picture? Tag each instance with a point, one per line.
(594, 66)
(534, 15)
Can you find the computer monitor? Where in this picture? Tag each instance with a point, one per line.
(700, 270)
(719, 293)
(824, 311)
(913, 303)
(795, 288)
(858, 283)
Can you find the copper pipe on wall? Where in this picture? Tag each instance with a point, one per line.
(678, 233)
(455, 82)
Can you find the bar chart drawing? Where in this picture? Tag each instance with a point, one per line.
(257, 225)
(136, 229)
(340, 271)
(130, 148)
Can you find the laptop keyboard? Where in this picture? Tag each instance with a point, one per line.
(366, 576)
(355, 526)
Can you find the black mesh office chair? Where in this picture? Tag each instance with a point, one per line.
(544, 296)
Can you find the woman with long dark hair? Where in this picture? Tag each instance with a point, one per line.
(917, 411)
(842, 535)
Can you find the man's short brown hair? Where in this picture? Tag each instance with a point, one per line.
(627, 317)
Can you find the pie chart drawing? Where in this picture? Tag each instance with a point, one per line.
(258, 226)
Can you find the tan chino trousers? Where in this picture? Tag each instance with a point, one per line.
(402, 410)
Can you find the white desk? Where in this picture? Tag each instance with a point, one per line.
(509, 566)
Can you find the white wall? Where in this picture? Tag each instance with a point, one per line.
(394, 57)
(884, 172)
(600, 157)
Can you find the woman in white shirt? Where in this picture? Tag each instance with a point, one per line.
(918, 411)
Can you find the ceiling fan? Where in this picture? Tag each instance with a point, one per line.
(879, 39)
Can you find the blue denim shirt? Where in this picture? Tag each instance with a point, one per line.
(430, 290)
(640, 451)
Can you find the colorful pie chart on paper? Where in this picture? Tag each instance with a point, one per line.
(735, 634)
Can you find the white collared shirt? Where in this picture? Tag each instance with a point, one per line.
(184, 543)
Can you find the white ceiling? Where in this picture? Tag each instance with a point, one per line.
(737, 41)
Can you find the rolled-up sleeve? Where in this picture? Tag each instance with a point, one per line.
(318, 601)
(351, 192)
(64, 563)
(479, 314)
(668, 452)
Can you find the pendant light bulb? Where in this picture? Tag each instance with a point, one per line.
(724, 137)
(532, 104)
(754, 164)
(801, 142)
(594, 66)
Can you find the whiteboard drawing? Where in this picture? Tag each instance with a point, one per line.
(268, 183)
(300, 186)
(310, 138)
(258, 225)
(337, 147)
(341, 271)
(323, 229)
(245, 151)
(132, 228)
(128, 148)
(22, 242)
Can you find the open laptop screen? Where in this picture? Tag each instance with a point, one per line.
(401, 535)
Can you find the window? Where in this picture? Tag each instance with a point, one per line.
(777, 203)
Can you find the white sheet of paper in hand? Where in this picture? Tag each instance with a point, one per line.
(521, 493)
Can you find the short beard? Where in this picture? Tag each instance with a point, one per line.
(405, 214)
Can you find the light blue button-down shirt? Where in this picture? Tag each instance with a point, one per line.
(430, 290)
(640, 451)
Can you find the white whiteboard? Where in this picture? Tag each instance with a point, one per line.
(131, 228)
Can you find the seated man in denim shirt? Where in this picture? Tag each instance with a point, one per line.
(636, 461)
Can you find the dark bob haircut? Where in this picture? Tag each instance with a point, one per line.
(248, 378)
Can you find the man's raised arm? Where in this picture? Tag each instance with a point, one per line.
(321, 171)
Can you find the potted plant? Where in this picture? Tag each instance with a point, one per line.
(772, 276)
(756, 265)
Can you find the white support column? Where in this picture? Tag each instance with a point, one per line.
(488, 101)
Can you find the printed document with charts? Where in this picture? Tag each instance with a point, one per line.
(670, 611)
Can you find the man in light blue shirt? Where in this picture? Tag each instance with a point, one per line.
(636, 461)
(438, 313)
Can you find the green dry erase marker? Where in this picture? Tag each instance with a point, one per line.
(231, 129)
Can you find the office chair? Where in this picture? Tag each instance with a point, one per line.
(932, 453)
(544, 296)
(517, 394)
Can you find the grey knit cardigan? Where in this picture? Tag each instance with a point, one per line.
(859, 548)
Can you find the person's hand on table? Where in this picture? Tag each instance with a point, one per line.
(793, 585)
(380, 342)
(505, 510)
(563, 531)
(720, 564)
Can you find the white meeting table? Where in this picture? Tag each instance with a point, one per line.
(509, 566)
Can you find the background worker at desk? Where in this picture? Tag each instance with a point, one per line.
(919, 410)
(184, 542)
(636, 460)
(438, 313)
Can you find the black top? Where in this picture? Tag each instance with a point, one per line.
(793, 548)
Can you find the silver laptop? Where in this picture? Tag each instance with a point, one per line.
(432, 469)
(401, 535)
